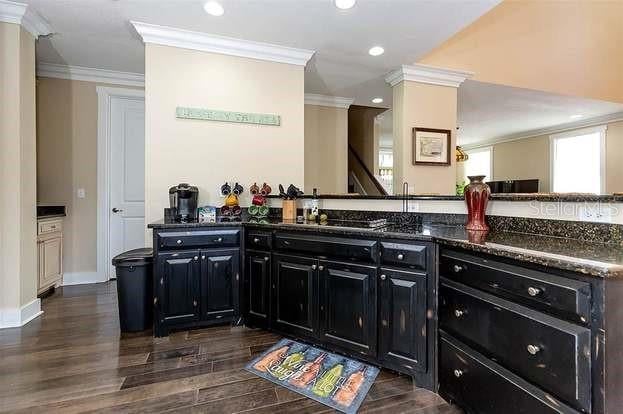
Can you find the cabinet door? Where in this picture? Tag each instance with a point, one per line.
(403, 320)
(294, 295)
(348, 306)
(219, 282)
(50, 261)
(179, 286)
(257, 288)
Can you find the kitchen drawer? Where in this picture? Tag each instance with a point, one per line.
(259, 240)
(49, 226)
(205, 238)
(402, 254)
(480, 386)
(553, 294)
(353, 249)
(549, 352)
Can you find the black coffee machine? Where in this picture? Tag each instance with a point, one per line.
(183, 199)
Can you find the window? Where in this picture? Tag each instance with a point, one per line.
(480, 162)
(577, 160)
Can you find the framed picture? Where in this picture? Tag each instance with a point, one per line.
(431, 146)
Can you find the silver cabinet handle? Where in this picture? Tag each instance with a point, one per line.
(203, 257)
(383, 277)
(266, 258)
(532, 291)
(220, 239)
(178, 241)
(458, 313)
(320, 267)
(196, 257)
(457, 268)
(314, 267)
(458, 373)
(256, 240)
(400, 256)
(194, 303)
(533, 349)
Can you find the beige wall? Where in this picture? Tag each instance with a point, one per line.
(428, 106)
(326, 149)
(530, 158)
(18, 248)
(569, 47)
(66, 161)
(207, 153)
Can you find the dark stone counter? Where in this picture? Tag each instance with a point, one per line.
(590, 258)
(545, 197)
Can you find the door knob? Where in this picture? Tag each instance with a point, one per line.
(457, 268)
(458, 373)
(532, 291)
(458, 313)
(401, 256)
(256, 240)
(116, 210)
(314, 267)
(383, 277)
(320, 267)
(533, 349)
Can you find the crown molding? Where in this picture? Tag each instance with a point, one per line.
(186, 39)
(30, 20)
(600, 120)
(325, 100)
(52, 70)
(428, 74)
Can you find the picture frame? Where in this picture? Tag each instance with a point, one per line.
(432, 146)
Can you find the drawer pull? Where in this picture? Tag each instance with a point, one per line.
(178, 241)
(400, 256)
(266, 258)
(458, 313)
(533, 349)
(314, 267)
(220, 239)
(256, 240)
(194, 303)
(458, 373)
(383, 277)
(457, 268)
(532, 291)
(203, 257)
(196, 258)
(321, 268)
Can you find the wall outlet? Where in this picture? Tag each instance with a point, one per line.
(81, 193)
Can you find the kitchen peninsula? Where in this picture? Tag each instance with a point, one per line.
(430, 300)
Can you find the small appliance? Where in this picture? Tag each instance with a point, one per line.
(183, 199)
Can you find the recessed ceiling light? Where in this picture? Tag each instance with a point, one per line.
(344, 4)
(376, 51)
(576, 116)
(377, 100)
(213, 8)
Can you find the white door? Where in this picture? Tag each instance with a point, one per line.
(127, 176)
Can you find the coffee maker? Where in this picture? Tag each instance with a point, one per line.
(183, 199)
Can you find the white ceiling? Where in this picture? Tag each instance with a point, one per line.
(489, 113)
(97, 33)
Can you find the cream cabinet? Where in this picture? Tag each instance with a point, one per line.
(50, 242)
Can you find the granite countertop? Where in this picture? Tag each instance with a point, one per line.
(545, 197)
(590, 258)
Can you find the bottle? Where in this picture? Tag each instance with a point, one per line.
(347, 393)
(327, 383)
(272, 358)
(288, 367)
(314, 203)
(307, 372)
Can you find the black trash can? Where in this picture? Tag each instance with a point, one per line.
(134, 289)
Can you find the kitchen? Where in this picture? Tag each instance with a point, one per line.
(266, 242)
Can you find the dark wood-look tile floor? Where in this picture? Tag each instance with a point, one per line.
(73, 359)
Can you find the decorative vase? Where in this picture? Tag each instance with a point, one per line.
(476, 197)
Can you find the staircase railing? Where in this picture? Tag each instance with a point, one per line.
(367, 171)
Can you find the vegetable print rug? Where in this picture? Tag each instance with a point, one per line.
(339, 382)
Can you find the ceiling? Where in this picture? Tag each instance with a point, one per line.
(489, 113)
(97, 34)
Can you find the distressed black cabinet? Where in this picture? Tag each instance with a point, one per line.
(220, 277)
(294, 288)
(348, 306)
(403, 326)
(258, 289)
(178, 287)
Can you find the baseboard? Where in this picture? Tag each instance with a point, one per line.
(16, 317)
(82, 278)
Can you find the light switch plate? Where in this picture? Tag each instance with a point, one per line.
(81, 193)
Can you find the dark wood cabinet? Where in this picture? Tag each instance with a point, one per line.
(403, 326)
(348, 306)
(220, 277)
(258, 289)
(178, 287)
(294, 285)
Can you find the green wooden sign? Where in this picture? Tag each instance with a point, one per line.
(227, 116)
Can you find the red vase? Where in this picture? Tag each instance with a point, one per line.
(476, 197)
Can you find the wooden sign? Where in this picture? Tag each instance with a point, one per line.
(227, 116)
